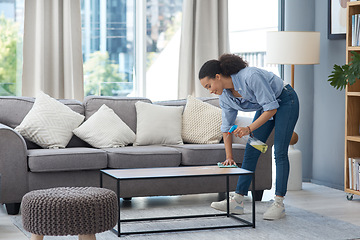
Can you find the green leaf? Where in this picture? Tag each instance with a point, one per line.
(338, 78)
(348, 73)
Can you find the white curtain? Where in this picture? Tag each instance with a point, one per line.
(52, 49)
(204, 36)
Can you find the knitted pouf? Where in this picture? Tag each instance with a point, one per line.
(69, 211)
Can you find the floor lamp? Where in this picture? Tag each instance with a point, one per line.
(293, 48)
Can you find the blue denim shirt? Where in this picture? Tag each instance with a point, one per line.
(259, 90)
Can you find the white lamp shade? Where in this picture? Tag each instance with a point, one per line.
(293, 47)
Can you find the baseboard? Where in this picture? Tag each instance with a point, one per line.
(331, 185)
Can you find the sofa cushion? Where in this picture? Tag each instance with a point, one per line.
(12, 118)
(179, 102)
(23, 105)
(68, 159)
(207, 154)
(201, 122)
(182, 102)
(143, 157)
(77, 142)
(211, 100)
(124, 107)
(74, 142)
(49, 123)
(158, 124)
(104, 129)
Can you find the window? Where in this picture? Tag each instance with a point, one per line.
(11, 45)
(163, 26)
(248, 23)
(108, 43)
(108, 46)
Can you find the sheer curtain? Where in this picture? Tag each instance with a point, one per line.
(204, 36)
(52, 49)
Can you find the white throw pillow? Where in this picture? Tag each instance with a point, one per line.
(49, 123)
(157, 124)
(201, 122)
(104, 129)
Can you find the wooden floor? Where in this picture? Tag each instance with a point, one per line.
(326, 201)
(315, 198)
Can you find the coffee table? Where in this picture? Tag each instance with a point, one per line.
(180, 172)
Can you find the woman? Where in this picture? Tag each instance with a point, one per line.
(243, 88)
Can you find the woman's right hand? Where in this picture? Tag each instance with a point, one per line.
(241, 131)
(229, 162)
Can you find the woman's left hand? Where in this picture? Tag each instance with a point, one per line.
(241, 131)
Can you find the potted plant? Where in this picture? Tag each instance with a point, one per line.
(348, 73)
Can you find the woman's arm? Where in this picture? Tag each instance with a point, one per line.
(242, 131)
(264, 117)
(228, 149)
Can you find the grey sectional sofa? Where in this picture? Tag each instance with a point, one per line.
(24, 166)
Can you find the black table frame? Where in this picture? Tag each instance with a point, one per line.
(244, 222)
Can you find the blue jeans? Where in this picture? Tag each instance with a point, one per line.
(284, 122)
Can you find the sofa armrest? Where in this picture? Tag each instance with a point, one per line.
(13, 165)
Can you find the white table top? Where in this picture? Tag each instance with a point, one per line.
(173, 172)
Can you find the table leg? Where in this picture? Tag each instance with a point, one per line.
(227, 197)
(118, 198)
(101, 179)
(253, 199)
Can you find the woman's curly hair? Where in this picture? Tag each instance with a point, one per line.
(228, 64)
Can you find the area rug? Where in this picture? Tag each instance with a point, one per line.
(298, 224)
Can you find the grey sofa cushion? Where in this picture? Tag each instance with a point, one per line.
(143, 157)
(124, 107)
(68, 159)
(182, 102)
(23, 105)
(74, 142)
(212, 100)
(208, 154)
(77, 142)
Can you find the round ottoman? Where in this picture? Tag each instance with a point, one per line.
(62, 211)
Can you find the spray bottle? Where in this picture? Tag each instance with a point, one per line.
(253, 141)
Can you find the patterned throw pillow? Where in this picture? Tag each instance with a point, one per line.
(201, 122)
(104, 129)
(158, 125)
(49, 123)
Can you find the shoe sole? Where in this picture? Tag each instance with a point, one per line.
(270, 218)
(231, 211)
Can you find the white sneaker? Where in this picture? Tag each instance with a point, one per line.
(276, 211)
(236, 204)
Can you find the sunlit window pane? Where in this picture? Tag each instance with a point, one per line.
(248, 23)
(11, 45)
(163, 20)
(108, 46)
